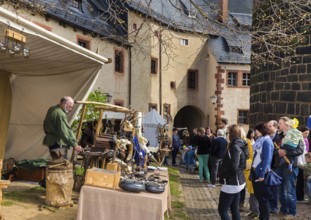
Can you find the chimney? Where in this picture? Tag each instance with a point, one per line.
(223, 11)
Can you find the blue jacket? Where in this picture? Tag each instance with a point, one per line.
(265, 157)
(176, 141)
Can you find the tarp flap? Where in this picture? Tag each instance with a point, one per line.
(32, 96)
(5, 109)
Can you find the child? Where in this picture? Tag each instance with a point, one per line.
(307, 174)
(190, 162)
(292, 138)
(183, 149)
(291, 141)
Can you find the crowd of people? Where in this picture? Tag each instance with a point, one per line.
(241, 162)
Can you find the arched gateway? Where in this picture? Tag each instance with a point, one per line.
(191, 117)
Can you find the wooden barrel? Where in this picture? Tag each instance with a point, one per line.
(59, 184)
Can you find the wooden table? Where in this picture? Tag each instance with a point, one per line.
(107, 204)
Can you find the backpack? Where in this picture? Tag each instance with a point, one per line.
(244, 148)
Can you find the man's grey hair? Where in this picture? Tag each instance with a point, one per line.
(66, 99)
(221, 133)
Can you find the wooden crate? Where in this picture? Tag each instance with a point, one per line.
(102, 178)
(34, 175)
(113, 166)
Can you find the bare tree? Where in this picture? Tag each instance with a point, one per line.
(278, 28)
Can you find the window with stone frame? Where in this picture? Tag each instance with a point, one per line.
(119, 61)
(77, 4)
(167, 111)
(192, 79)
(134, 27)
(173, 85)
(232, 79)
(243, 116)
(119, 102)
(48, 28)
(246, 79)
(154, 66)
(82, 42)
(184, 42)
(153, 106)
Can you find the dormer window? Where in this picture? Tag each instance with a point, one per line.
(234, 49)
(77, 4)
(187, 9)
(192, 14)
(184, 42)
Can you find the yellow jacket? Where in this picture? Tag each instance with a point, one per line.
(247, 170)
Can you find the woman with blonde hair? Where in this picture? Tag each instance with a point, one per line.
(232, 176)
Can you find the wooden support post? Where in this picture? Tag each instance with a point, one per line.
(99, 123)
(3, 184)
(81, 122)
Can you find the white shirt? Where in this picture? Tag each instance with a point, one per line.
(257, 159)
(231, 189)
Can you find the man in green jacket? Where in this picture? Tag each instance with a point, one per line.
(59, 136)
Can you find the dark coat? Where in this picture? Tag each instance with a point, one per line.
(293, 153)
(233, 164)
(204, 145)
(219, 147)
(277, 139)
(194, 140)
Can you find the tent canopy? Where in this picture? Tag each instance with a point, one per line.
(153, 118)
(151, 121)
(56, 67)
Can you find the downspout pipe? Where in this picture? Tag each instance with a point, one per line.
(130, 77)
(160, 73)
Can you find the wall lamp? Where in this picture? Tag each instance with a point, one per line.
(213, 99)
(108, 97)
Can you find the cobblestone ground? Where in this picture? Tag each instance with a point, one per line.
(202, 202)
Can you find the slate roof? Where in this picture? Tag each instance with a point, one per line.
(85, 18)
(175, 14)
(233, 47)
(227, 46)
(221, 50)
(94, 16)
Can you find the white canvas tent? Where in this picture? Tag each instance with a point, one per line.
(28, 87)
(150, 124)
